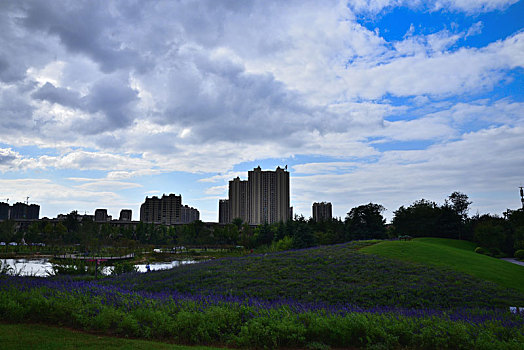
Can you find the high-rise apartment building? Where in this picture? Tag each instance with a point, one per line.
(125, 215)
(263, 198)
(238, 199)
(24, 211)
(150, 210)
(171, 209)
(188, 214)
(101, 215)
(167, 210)
(224, 216)
(4, 211)
(322, 211)
(268, 196)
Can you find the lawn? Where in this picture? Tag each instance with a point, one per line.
(457, 255)
(42, 337)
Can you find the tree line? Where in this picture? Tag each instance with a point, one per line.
(496, 235)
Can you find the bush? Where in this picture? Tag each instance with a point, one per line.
(519, 254)
(482, 250)
(124, 267)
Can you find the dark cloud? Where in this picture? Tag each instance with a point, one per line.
(16, 114)
(62, 96)
(114, 98)
(91, 28)
(6, 158)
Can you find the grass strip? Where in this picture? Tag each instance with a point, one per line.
(42, 337)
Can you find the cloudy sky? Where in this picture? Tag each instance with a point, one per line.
(103, 103)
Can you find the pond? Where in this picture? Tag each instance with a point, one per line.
(43, 268)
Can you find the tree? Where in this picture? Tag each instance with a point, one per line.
(264, 234)
(237, 222)
(418, 220)
(489, 233)
(460, 204)
(366, 221)
(303, 236)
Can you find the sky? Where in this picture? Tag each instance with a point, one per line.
(103, 103)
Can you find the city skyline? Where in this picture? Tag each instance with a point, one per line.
(105, 103)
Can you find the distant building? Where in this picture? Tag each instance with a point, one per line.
(238, 199)
(4, 211)
(101, 215)
(167, 210)
(23, 211)
(224, 216)
(151, 211)
(188, 214)
(125, 215)
(322, 211)
(78, 217)
(170, 208)
(263, 198)
(269, 196)
(33, 212)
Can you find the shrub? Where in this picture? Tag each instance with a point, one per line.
(519, 254)
(482, 250)
(124, 267)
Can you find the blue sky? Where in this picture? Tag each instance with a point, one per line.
(386, 101)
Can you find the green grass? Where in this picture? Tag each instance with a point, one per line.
(41, 337)
(455, 254)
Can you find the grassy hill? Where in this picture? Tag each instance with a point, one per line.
(455, 254)
(339, 274)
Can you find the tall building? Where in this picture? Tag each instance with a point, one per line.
(322, 211)
(167, 210)
(33, 211)
(101, 215)
(23, 211)
(269, 196)
(4, 211)
(188, 214)
(238, 199)
(150, 210)
(263, 198)
(224, 216)
(171, 209)
(125, 215)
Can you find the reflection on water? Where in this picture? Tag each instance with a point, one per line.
(43, 268)
(29, 267)
(164, 265)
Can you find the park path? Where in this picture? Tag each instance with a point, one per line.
(514, 261)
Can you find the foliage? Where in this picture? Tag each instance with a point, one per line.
(519, 254)
(249, 322)
(490, 234)
(427, 219)
(124, 267)
(460, 204)
(366, 222)
(76, 267)
(482, 250)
